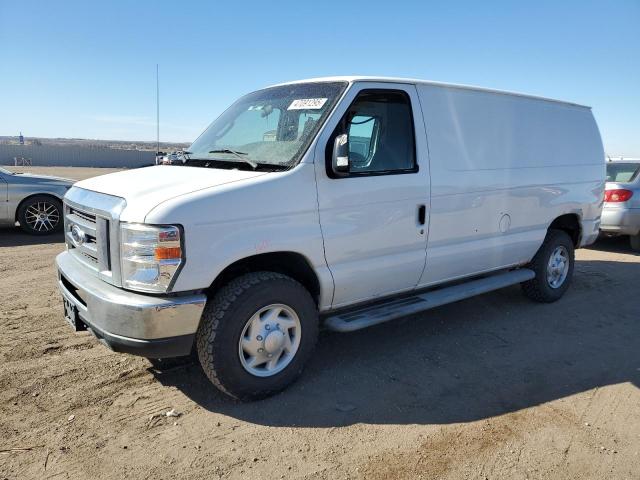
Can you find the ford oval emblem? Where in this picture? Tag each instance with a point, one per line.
(77, 235)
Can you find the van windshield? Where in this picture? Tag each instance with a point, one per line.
(270, 127)
(622, 172)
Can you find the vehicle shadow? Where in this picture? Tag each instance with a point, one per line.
(614, 245)
(472, 360)
(13, 237)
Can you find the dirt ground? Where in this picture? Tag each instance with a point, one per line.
(491, 387)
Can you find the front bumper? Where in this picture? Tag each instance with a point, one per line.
(623, 221)
(146, 325)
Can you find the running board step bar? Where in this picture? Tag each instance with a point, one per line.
(401, 307)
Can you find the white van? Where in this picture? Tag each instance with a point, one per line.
(338, 202)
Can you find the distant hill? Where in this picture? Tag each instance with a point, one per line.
(84, 142)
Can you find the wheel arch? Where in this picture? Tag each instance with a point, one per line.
(569, 223)
(292, 264)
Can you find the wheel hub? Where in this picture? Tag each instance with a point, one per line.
(274, 342)
(558, 267)
(269, 340)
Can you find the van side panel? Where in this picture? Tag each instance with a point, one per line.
(503, 167)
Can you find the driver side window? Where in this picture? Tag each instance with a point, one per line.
(379, 125)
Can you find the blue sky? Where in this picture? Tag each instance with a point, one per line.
(87, 69)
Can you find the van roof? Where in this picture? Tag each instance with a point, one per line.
(356, 78)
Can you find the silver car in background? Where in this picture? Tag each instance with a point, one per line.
(621, 211)
(33, 200)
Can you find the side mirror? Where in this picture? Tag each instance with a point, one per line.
(340, 158)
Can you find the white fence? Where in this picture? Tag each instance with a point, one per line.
(76, 156)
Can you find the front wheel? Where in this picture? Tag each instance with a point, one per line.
(40, 215)
(553, 265)
(256, 334)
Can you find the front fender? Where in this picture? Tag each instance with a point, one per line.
(277, 212)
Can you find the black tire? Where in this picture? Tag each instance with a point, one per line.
(52, 205)
(224, 319)
(634, 241)
(539, 288)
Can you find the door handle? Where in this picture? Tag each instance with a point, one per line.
(422, 214)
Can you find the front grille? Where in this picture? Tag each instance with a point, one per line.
(87, 237)
(96, 219)
(90, 217)
(93, 260)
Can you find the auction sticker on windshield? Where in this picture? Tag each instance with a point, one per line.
(307, 104)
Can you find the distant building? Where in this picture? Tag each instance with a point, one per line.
(21, 139)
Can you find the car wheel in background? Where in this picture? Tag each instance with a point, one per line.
(256, 334)
(634, 240)
(40, 215)
(553, 265)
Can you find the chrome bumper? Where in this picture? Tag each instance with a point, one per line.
(623, 221)
(153, 326)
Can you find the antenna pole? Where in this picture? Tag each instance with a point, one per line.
(157, 109)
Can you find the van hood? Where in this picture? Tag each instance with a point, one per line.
(145, 188)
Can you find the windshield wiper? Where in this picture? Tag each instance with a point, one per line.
(220, 163)
(237, 154)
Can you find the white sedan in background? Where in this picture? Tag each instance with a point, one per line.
(35, 201)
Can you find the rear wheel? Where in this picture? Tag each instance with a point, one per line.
(553, 265)
(40, 215)
(634, 240)
(256, 335)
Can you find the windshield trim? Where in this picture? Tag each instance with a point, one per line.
(304, 147)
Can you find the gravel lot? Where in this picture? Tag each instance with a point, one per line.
(491, 387)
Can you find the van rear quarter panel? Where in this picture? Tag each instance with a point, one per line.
(503, 167)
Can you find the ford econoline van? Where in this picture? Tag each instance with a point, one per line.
(339, 203)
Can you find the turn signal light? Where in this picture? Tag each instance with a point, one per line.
(168, 253)
(150, 256)
(617, 195)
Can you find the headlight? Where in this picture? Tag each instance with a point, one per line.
(150, 256)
